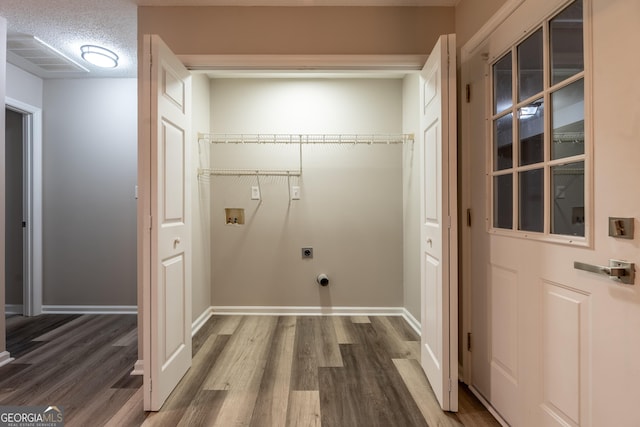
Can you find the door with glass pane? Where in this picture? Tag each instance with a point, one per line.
(553, 339)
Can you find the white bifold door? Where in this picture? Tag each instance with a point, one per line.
(165, 201)
(438, 217)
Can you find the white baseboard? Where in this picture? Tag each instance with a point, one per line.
(13, 309)
(306, 311)
(487, 405)
(89, 309)
(412, 321)
(201, 320)
(138, 368)
(5, 358)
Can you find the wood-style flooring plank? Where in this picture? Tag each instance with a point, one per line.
(270, 368)
(360, 319)
(304, 372)
(191, 384)
(405, 331)
(204, 408)
(327, 347)
(304, 410)
(75, 367)
(99, 409)
(82, 386)
(131, 414)
(215, 325)
(366, 392)
(396, 345)
(242, 362)
(21, 336)
(97, 331)
(418, 385)
(273, 397)
(344, 330)
(471, 412)
(10, 371)
(73, 324)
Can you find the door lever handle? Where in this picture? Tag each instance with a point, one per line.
(623, 271)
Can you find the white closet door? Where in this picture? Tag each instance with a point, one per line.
(167, 300)
(438, 230)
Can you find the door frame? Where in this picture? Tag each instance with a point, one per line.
(471, 219)
(33, 261)
(247, 64)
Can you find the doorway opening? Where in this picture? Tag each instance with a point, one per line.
(23, 242)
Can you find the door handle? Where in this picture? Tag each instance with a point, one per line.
(623, 271)
(176, 242)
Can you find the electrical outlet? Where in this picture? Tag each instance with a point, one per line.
(307, 252)
(295, 192)
(255, 193)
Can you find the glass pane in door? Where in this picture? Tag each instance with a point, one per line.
(567, 121)
(530, 69)
(531, 132)
(503, 143)
(503, 201)
(502, 90)
(531, 203)
(567, 46)
(567, 204)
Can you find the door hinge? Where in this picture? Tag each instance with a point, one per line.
(450, 385)
(467, 91)
(150, 385)
(469, 217)
(24, 224)
(150, 220)
(468, 341)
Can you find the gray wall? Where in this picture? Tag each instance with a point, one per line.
(14, 201)
(90, 151)
(350, 209)
(23, 86)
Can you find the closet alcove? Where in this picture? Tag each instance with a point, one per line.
(345, 143)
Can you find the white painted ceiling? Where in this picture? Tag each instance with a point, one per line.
(66, 25)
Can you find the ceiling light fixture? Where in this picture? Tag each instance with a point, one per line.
(99, 56)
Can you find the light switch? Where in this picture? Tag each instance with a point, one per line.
(255, 193)
(295, 192)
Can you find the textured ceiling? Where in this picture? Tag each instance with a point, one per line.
(66, 25)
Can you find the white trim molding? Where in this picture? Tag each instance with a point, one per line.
(489, 27)
(303, 62)
(201, 320)
(90, 309)
(138, 368)
(13, 309)
(5, 358)
(306, 311)
(412, 321)
(32, 295)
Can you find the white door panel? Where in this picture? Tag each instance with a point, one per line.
(438, 235)
(552, 345)
(167, 298)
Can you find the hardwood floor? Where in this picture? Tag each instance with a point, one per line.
(247, 371)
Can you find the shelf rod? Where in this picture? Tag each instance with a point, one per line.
(306, 138)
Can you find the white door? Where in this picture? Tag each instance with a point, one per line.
(554, 345)
(438, 217)
(167, 296)
(4, 355)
